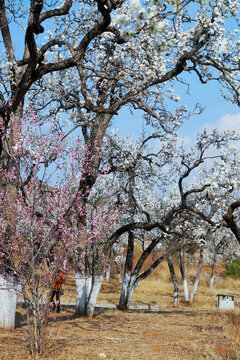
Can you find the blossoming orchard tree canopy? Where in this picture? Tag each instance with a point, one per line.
(88, 59)
(94, 57)
(123, 51)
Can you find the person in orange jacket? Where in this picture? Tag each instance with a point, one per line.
(57, 290)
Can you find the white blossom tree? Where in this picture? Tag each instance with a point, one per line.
(187, 205)
(220, 244)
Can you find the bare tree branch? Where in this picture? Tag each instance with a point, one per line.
(231, 221)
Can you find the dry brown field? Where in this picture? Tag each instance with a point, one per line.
(190, 331)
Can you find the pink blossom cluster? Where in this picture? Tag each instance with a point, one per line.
(45, 197)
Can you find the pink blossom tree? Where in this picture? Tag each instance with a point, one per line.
(41, 204)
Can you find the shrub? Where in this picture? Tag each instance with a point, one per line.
(237, 261)
(233, 270)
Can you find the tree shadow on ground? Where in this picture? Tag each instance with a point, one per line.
(67, 313)
(20, 320)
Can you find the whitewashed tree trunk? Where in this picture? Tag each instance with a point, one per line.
(124, 290)
(174, 281)
(87, 290)
(183, 267)
(176, 293)
(9, 292)
(92, 299)
(131, 289)
(108, 273)
(119, 277)
(213, 266)
(198, 274)
(185, 289)
(83, 287)
(128, 286)
(211, 282)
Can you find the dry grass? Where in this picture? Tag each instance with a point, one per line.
(196, 331)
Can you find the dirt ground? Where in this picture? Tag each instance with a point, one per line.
(186, 333)
(196, 331)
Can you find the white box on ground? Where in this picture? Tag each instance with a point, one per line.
(225, 301)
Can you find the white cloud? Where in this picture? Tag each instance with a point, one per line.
(186, 141)
(226, 122)
(229, 122)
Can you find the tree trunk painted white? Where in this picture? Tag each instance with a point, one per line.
(213, 266)
(198, 274)
(95, 288)
(211, 282)
(119, 278)
(194, 289)
(174, 281)
(185, 289)
(128, 286)
(176, 293)
(108, 273)
(125, 284)
(132, 287)
(9, 292)
(83, 287)
(183, 267)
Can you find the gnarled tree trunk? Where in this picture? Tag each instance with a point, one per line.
(174, 281)
(133, 277)
(93, 295)
(128, 286)
(183, 269)
(83, 286)
(126, 290)
(198, 274)
(87, 290)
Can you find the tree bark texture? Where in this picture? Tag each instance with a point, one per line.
(124, 297)
(213, 267)
(94, 291)
(174, 281)
(83, 285)
(198, 274)
(128, 286)
(87, 290)
(183, 269)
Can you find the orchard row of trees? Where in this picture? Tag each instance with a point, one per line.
(73, 191)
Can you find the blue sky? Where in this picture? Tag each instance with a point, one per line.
(216, 108)
(218, 113)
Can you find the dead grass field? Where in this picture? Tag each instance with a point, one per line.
(196, 331)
